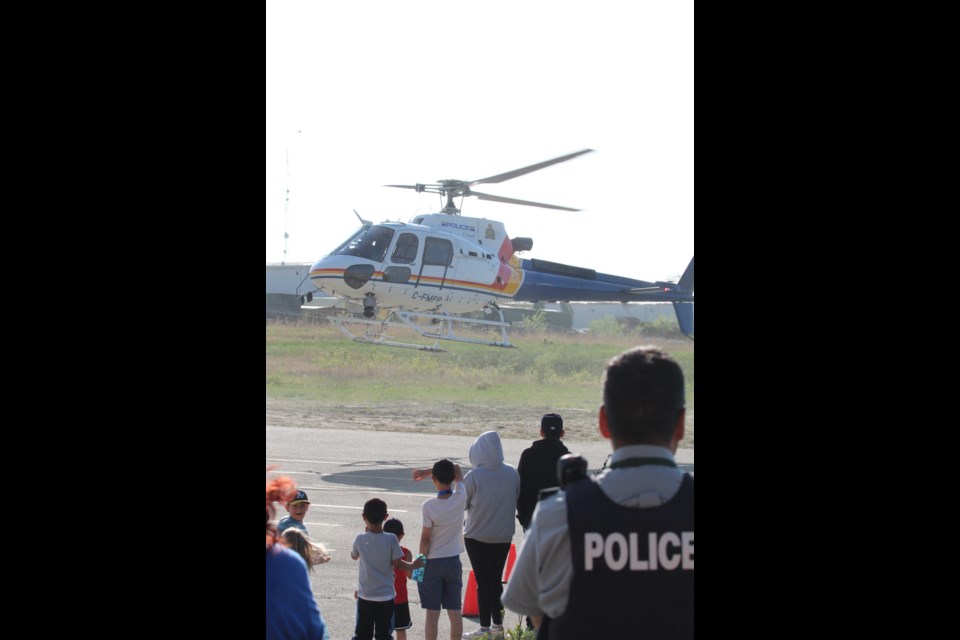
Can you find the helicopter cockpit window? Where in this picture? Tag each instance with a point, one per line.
(437, 251)
(370, 243)
(406, 249)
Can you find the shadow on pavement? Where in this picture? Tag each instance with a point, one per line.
(398, 479)
(387, 479)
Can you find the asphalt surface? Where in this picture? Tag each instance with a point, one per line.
(341, 469)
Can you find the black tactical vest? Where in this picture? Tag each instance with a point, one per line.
(632, 568)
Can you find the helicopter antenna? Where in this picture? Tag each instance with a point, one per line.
(365, 223)
(454, 188)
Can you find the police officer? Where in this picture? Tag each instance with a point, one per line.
(628, 531)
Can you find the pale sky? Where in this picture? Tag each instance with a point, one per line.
(363, 94)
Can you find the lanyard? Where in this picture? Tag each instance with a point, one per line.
(447, 492)
(639, 462)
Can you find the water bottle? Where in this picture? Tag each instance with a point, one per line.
(418, 573)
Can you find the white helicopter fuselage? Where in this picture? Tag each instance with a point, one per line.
(437, 262)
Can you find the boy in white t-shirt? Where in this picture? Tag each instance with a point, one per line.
(379, 554)
(441, 541)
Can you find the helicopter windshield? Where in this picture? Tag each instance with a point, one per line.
(369, 242)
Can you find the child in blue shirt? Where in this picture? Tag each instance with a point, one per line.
(298, 510)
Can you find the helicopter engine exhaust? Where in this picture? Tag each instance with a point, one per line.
(522, 244)
(369, 305)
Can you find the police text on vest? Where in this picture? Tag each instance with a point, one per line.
(664, 551)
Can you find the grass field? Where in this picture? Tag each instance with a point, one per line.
(316, 376)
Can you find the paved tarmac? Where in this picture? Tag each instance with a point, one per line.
(341, 469)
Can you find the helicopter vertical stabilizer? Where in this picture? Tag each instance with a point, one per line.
(685, 317)
(685, 309)
(686, 280)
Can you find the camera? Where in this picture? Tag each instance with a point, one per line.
(571, 468)
(369, 305)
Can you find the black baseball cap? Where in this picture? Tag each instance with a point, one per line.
(300, 497)
(551, 423)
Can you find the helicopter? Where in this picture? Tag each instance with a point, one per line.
(424, 271)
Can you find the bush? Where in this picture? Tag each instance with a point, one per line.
(613, 327)
(535, 323)
(606, 327)
(519, 632)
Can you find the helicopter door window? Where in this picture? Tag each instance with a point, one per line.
(406, 249)
(370, 243)
(437, 251)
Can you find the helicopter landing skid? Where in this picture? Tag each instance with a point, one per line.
(443, 330)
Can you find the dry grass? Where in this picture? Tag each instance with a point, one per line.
(316, 377)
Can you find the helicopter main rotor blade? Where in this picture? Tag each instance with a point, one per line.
(485, 196)
(534, 167)
(419, 188)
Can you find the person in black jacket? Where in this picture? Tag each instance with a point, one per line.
(538, 466)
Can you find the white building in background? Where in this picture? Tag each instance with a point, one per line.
(286, 284)
(586, 312)
(292, 278)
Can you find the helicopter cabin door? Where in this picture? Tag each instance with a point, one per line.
(403, 260)
(435, 267)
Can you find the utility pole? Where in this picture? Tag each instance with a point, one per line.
(286, 206)
(286, 211)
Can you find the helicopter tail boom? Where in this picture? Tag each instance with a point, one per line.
(545, 280)
(550, 281)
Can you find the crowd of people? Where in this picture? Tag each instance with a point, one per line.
(619, 541)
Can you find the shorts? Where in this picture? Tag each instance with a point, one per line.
(442, 584)
(401, 617)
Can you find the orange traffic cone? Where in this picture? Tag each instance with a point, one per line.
(511, 558)
(470, 606)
